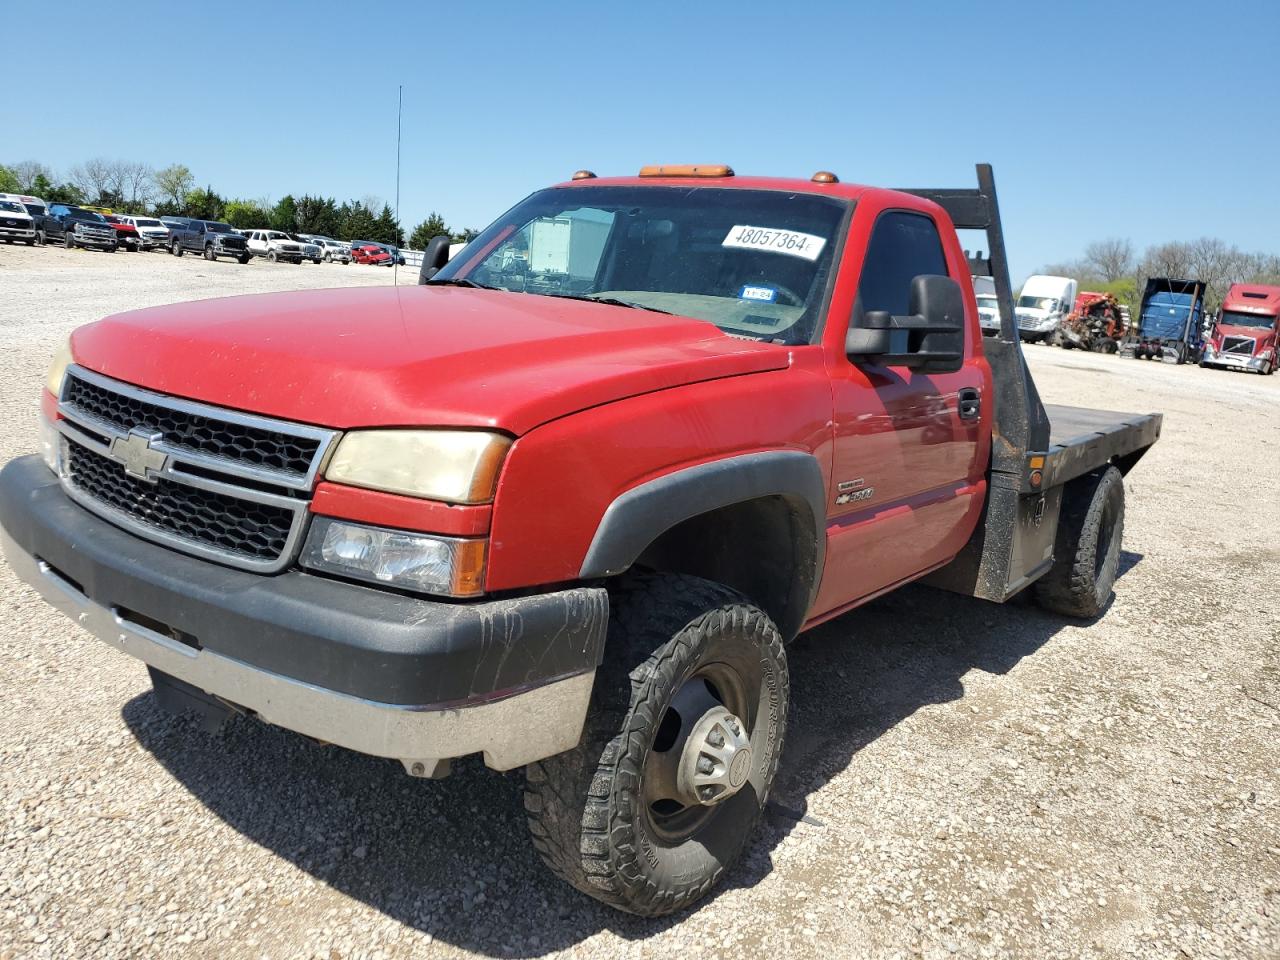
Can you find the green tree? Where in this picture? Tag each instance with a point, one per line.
(284, 215)
(465, 235)
(205, 204)
(388, 228)
(356, 222)
(245, 214)
(173, 183)
(430, 228)
(8, 180)
(317, 215)
(51, 192)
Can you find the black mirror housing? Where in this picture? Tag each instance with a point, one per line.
(930, 338)
(434, 257)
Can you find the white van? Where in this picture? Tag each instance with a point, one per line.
(1042, 305)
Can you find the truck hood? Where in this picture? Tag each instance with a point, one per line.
(1262, 337)
(412, 356)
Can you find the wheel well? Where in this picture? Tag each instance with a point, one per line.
(764, 548)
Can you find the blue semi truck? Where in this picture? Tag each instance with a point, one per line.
(1170, 322)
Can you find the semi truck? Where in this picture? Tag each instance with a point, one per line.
(571, 530)
(1244, 334)
(1170, 321)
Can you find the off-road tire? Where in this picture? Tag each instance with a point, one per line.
(1087, 549)
(585, 808)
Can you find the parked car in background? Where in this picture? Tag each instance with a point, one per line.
(310, 249)
(34, 206)
(368, 252)
(16, 224)
(126, 233)
(212, 238)
(1042, 305)
(984, 291)
(334, 250)
(78, 227)
(274, 245)
(151, 232)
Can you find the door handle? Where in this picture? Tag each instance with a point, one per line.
(970, 403)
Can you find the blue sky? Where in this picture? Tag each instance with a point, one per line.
(1153, 121)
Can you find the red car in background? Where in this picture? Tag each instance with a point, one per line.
(370, 253)
(126, 233)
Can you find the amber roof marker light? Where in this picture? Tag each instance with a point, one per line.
(825, 176)
(583, 175)
(686, 170)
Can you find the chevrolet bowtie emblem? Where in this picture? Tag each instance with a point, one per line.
(138, 457)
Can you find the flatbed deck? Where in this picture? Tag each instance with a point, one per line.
(1081, 440)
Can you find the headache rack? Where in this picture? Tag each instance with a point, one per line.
(1031, 460)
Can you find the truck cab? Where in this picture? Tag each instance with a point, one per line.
(1170, 321)
(1043, 303)
(1244, 334)
(564, 504)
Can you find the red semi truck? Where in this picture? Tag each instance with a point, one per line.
(1244, 335)
(565, 503)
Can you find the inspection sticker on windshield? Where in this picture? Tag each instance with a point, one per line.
(793, 244)
(763, 294)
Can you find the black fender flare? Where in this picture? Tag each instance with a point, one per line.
(640, 515)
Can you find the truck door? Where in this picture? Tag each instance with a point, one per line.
(910, 446)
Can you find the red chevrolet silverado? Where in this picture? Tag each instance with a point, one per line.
(564, 503)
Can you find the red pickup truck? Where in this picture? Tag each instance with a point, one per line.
(565, 503)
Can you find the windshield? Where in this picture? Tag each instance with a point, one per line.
(1232, 318)
(78, 214)
(146, 222)
(9, 206)
(35, 209)
(753, 262)
(216, 227)
(276, 235)
(987, 303)
(1047, 304)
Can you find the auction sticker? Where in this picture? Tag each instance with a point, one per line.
(804, 245)
(762, 294)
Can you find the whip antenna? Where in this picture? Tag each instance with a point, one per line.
(395, 264)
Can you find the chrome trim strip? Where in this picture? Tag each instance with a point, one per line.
(532, 724)
(324, 437)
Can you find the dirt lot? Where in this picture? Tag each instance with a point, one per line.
(961, 779)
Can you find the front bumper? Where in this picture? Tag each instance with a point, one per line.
(1235, 361)
(18, 233)
(417, 680)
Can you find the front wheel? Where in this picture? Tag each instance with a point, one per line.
(243, 258)
(209, 253)
(176, 249)
(1086, 552)
(67, 241)
(41, 240)
(679, 751)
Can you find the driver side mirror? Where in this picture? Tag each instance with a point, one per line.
(930, 338)
(434, 257)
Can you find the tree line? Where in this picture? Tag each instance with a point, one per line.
(1113, 266)
(136, 188)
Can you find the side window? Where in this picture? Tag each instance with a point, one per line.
(903, 246)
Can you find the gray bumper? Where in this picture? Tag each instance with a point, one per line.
(511, 732)
(414, 679)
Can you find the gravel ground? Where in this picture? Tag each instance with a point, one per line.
(961, 779)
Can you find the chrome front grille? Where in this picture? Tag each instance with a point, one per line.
(1241, 345)
(206, 480)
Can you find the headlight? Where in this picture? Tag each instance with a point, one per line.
(399, 558)
(61, 360)
(457, 466)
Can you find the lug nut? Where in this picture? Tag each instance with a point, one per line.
(733, 725)
(707, 793)
(705, 765)
(715, 738)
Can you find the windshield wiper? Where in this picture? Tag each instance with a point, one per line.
(608, 301)
(460, 282)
